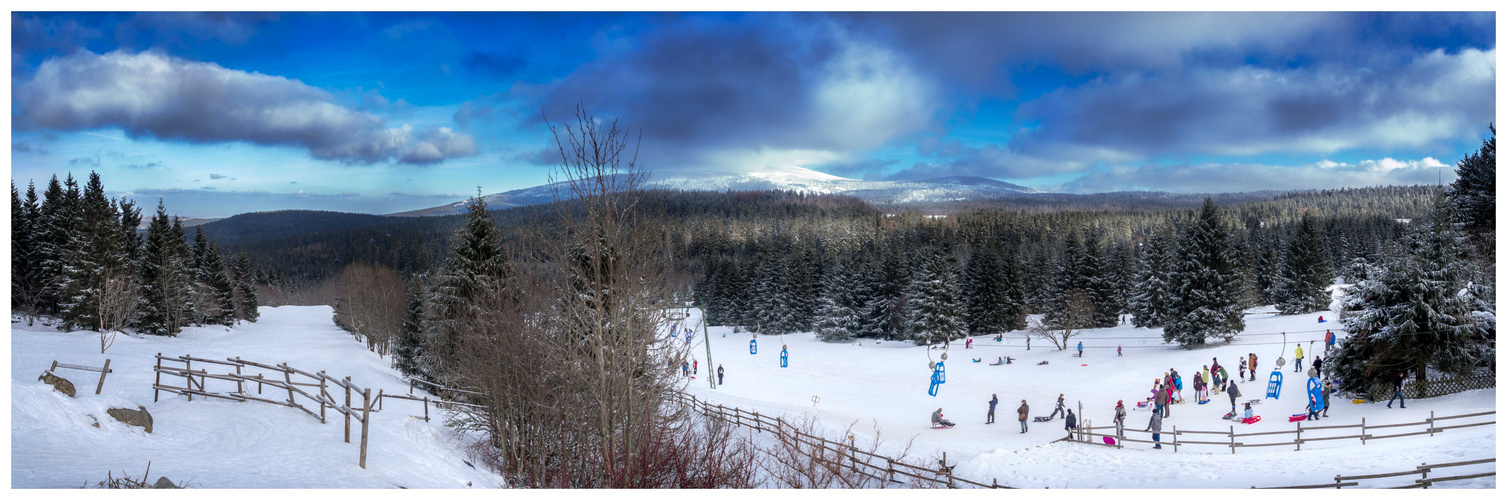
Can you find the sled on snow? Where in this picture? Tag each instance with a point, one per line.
(975, 360)
(1228, 416)
(1358, 401)
(1109, 440)
(1298, 417)
(1253, 402)
(935, 427)
(1041, 419)
(1252, 420)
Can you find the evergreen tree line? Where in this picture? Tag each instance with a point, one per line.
(77, 255)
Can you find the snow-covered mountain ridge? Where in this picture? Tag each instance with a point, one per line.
(801, 180)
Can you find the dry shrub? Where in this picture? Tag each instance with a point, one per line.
(803, 462)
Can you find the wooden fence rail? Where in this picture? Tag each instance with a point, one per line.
(1088, 433)
(847, 455)
(102, 372)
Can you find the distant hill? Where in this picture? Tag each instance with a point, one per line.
(260, 226)
(797, 179)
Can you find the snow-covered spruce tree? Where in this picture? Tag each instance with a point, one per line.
(1151, 301)
(245, 286)
(1066, 282)
(1093, 273)
(888, 309)
(408, 354)
(1472, 196)
(1205, 283)
(774, 295)
(1303, 285)
(26, 280)
(477, 263)
(1415, 313)
(183, 293)
(985, 291)
(56, 224)
(836, 322)
(222, 287)
(1014, 314)
(936, 300)
(158, 263)
(93, 257)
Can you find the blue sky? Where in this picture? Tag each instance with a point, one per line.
(384, 112)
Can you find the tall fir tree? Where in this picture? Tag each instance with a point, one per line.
(985, 293)
(28, 283)
(1473, 194)
(1013, 279)
(158, 263)
(936, 300)
(477, 263)
(93, 256)
(220, 286)
(57, 223)
(409, 352)
(245, 286)
(184, 288)
(1303, 286)
(836, 317)
(1416, 313)
(1151, 301)
(1093, 276)
(1205, 284)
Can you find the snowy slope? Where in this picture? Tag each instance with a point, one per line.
(801, 180)
(220, 443)
(886, 383)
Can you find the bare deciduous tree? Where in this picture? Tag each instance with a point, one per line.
(371, 305)
(118, 302)
(1078, 315)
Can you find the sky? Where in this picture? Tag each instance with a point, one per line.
(224, 113)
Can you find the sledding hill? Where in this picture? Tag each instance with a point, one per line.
(218, 443)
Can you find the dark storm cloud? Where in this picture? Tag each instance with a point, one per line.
(31, 32)
(988, 161)
(1430, 99)
(720, 94)
(867, 169)
(152, 95)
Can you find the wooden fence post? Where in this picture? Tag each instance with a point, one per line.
(1174, 439)
(1431, 424)
(1232, 439)
(1299, 440)
(189, 378)
(158, 371)
(240, 384)
(1363, 431)
(348, 410)
(1423, 468)
(102, 373)
(366, 406)
(426, 408)
(323, 395)
(758, 423)
(288, 377)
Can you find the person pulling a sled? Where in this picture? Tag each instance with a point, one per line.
(938, 421)
(1060, 408)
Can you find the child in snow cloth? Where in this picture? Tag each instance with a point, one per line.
(993, 401)
(969, 344)
(1072, 423)
(1198, 389)
(1155, 426)
(695, 367)
(1397, 386)
(1059, 408)
(1328, 388)
(1080, 349)
(719, 374)
(1248, 412)
(1177, 381)
(1022, 411)
(1120, 418)
(1120, 350)
(938, 421)
(1242, 368)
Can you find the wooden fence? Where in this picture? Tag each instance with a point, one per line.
(848, 456)
(1434, 388)
(1089, 434)
(102, 372)
(1424, 481)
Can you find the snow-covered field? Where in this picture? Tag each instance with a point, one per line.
(220, 443)
(886, 384)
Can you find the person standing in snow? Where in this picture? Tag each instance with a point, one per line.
(1397, 386)
(1318, 364)
(968, 344)
(1328, 341)
(1242, 368)
(1298, 358)
(1177, 381)
(719, 374)
(685, 368)
(1072, 423)
(1206, 377)
(1060, 408)
(1198, 388)
(1028, 342)
(695, 367)
(1155, 426)
(993, 401)
(1120, 350)
(1080, 348)
(1234, 392)
(1022, 412)
(1156, 398)
(1328, 389)
(1167, 396)
(1253, 367)
(1120, 419)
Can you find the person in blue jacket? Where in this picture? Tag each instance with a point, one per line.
(1080, 349)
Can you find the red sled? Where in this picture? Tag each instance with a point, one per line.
(1109, 440)
(1298, 417)
(934, 427)
(1253, 419)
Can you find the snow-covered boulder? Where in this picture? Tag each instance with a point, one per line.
(59, 383)
(139, 418)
